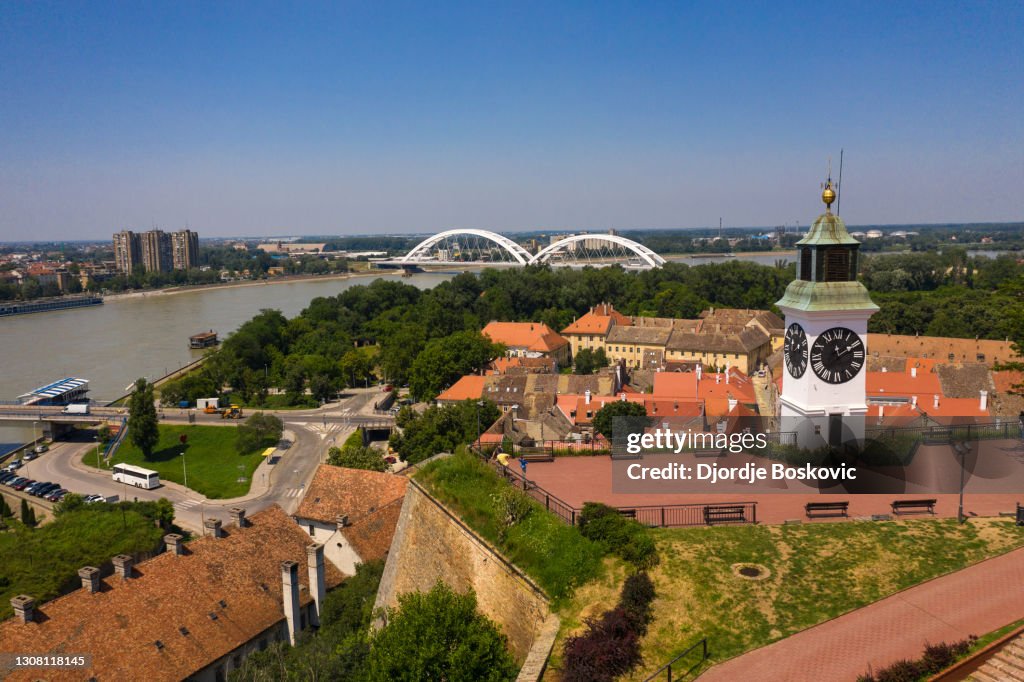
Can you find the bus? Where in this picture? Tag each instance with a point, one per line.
(136, 476)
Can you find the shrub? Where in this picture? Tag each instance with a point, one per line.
(511, 506)
(610, 646)
(936, 658)
(624, 537)
(635, 600)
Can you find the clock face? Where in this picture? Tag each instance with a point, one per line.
(837, 355)
(795, 351)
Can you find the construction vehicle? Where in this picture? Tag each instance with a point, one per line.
(233, 412)
(210, 409)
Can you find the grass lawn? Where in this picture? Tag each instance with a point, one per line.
(41, 561)
(213, 465)
(555, 555)
(277, 401)
(817, 572)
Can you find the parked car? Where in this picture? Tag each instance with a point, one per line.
(37, 488)
(390, 459)
(56, 495)
(14, 464)
(45, 489)
(389, 388)
(29, 456)
(26, 482)
(14, 481)
(6, 476)
(94, 498)
(41, 448)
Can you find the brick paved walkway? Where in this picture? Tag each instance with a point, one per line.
(974, 601)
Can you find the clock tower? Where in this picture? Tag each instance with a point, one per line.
(826, 309)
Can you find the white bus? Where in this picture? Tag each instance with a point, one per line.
(136, 476)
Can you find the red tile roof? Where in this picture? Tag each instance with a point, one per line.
(598, 320)
(356, 493)
(675, 385)
(120, 625)
(533, 336)
(902, 384)
(468, 387)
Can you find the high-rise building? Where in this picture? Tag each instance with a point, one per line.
(184, 249)
(156, 251)
(127, 251)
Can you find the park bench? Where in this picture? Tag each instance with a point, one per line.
(724, 513)
(815, 509)
(539, 457)
(898, 506)
(628, 513)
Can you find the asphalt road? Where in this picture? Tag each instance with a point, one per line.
(312, 432)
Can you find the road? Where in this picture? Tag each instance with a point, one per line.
(311, 433)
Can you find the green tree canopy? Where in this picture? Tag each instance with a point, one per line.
(357, 457)
(259, 430)
(604, 419)
(441, 429)
(439, 635)
(444, 360)
(142, 420)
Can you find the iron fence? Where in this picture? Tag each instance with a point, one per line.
(702, 644)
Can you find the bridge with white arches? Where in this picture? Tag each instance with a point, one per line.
(482, 247)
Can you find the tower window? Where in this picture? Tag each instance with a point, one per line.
(837, 265)
(805, 264)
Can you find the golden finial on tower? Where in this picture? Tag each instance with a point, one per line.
(828, 195)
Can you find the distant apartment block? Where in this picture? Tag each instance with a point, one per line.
(156, 250)
(184, 250)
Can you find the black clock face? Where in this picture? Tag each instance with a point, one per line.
(795, 351)
(837, 355)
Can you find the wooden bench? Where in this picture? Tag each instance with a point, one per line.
(724, 513)
(628, 513)
(538, 457)
(898, 506)
(836, 508)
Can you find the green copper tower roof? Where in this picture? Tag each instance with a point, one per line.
(828, 230)
(816, 296)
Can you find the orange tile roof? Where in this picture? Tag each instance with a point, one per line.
(675, 385)
(739, 387)
(120, 625)
(372, 534)
(598, 320)
(468, 387)
(1006, 380)
(533, 336)
(356, 493)
(575, 407)
(902, 384)
(963, 350)
(673, 408)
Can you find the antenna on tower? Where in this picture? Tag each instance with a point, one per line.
(839, 187)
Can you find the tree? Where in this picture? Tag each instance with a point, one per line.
(588, 361)
(446, 359)
(68, 503)
(357, 457)
(440, 429)
(439, 635)
(604, 419)
(143, 428)
(28, 514)
(356, 367)
(259, 430)
(5, 509)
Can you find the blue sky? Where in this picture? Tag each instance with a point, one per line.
(254, 118)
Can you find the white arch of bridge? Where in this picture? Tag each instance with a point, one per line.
(422, 250)
(562, 245)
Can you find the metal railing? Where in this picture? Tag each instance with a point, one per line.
(656, 516)
(667, 668)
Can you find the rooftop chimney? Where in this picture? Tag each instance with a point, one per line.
(700, 369)
(913, 400)
(238, 517)
(123, 565)
(718, 378)
(935, 400)
(885, 369)
(342, 521)
(726, 375)
(290, 597)
(317, 583)
(90, 576)
(586, 396)
(622, 397)
(913, 372)
(732, 404)
(175, 544)
(213, 527)
(984, 401)
(24, 608)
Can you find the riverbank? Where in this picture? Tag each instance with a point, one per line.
(289, 279)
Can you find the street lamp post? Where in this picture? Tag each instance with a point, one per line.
(962, 449)
(184, 470)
